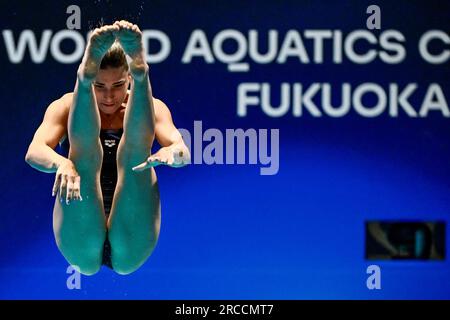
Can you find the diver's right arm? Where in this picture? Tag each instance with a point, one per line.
(43, 158)
(41, 154)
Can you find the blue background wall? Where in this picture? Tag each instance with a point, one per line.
(228, 232)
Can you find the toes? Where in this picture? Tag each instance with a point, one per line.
(96, 32)
(125, 24)
(100, 31)
(113, 28)
(116, 26)
(125, 30)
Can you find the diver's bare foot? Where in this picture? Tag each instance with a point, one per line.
(99, 42)
(130, 38)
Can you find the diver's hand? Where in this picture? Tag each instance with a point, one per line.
(67, 182)
(165, 156)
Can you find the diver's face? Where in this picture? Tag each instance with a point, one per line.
(110, 87)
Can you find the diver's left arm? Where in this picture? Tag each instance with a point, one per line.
(174, 151)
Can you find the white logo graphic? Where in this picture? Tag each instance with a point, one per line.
(374, 280)
(234, 146)
(374, 21)
(74, 280)
(110, 143)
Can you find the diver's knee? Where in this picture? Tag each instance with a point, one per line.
(87, 258)
(125, 265)
(128, 262)
(87, 265)
(125, 269)
(89, 268)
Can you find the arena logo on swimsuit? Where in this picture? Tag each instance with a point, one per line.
(233, 144)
